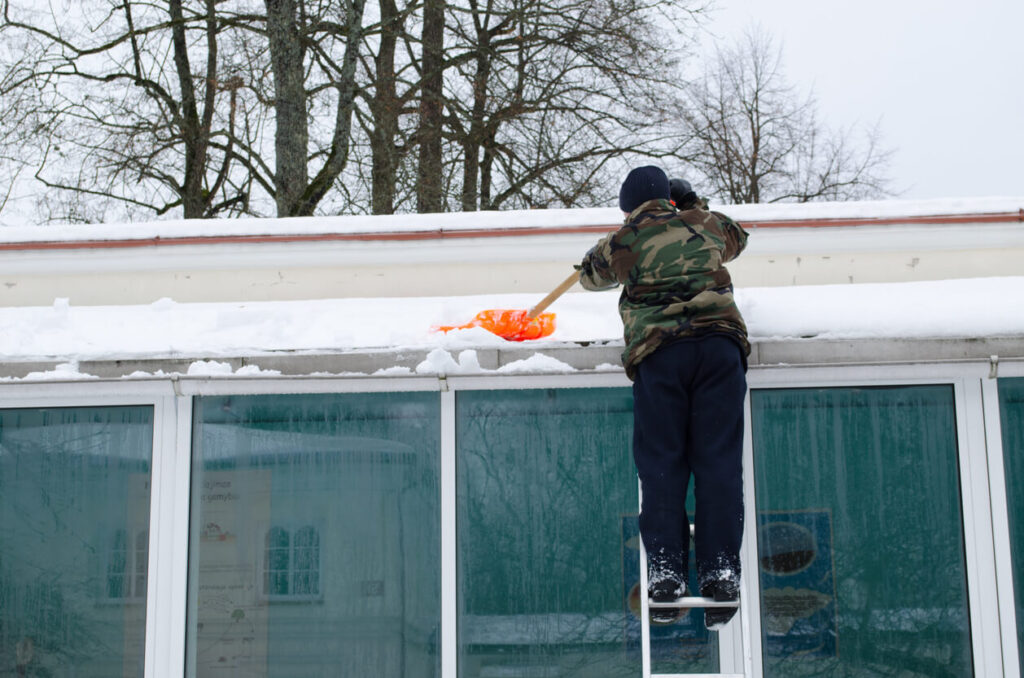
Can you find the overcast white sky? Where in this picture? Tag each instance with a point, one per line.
(946, 80)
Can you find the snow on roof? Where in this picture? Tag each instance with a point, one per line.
(875, 209)
(165, 329)
(982, 307)
(496, 220)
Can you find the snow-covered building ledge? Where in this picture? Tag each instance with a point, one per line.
(878, 323)
(551, 359)
(936, 280)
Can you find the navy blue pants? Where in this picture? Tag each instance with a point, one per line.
(688, 419)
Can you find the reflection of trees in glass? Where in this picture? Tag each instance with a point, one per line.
(42, 630)
(544, 479)
(545, 485)
(883, 461)
(72, 484)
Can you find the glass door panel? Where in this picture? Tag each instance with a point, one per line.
(1011, 411)
(547, 540)
(860, 538)
(315, 541)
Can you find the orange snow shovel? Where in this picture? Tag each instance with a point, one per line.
(517, 324)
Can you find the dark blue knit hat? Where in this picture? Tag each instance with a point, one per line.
(643, 184)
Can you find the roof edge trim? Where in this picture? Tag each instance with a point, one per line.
(438, 234)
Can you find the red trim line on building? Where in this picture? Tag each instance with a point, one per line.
(437, 234)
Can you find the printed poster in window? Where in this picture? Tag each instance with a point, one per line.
(232, 615)
(132, 576)
(798, 595)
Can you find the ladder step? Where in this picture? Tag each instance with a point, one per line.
(693, 601)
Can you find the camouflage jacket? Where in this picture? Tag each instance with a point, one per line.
(674, 282)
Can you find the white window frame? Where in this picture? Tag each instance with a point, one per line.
(982, 487)
(189, 387)
(164, 624)
(966, 379)
(447, 387)
(1000, 512)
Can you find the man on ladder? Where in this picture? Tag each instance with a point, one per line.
(686, 352)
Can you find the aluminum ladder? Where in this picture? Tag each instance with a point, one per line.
(690, 602)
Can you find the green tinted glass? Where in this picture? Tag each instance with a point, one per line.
(74, 540)
(859, 530)
(547, 539)
(1011, 409)
(315, 547)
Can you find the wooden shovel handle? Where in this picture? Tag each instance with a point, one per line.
(555, 293)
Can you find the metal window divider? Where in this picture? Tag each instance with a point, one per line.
(1002, 540)
(449, 539)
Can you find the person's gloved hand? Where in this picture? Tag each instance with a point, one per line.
(681, 193)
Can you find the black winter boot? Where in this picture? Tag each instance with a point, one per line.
(721, 591)
(666, 591)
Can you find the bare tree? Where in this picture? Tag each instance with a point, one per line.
(429, 185)
(291, 26)
(291, 142)
(134, 124)
(510, 103)
(552, 92)
(18, 102)
(386, 105)
(753, 138)
(129, 122)
(295, 107)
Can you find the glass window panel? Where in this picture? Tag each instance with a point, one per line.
(315, 545)
(547, 539)
(74, 507)
(1011, 410)
(859, 531)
